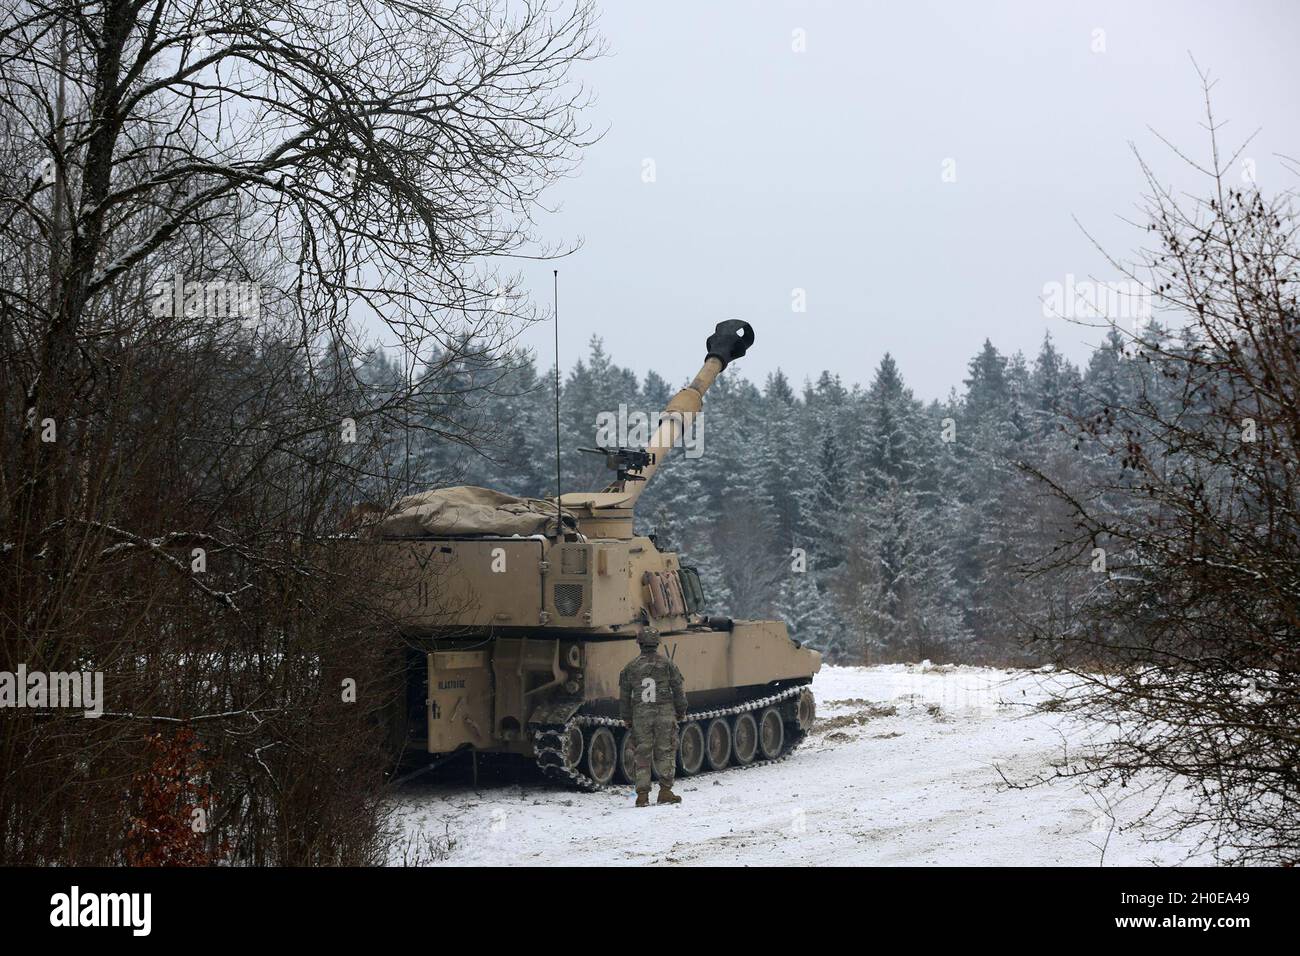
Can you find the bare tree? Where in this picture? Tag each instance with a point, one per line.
(210, 215)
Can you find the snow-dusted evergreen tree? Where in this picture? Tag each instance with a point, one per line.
(655, 392)
(897, 579)
(745, 531)
(979, 473)
(806, 612)
(521, 460)
(782, 457)
(1105, 382)
(825, 432)
(1053, 388)
(595, 387)
(675, 506)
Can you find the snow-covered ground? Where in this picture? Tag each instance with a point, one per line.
(904, 766)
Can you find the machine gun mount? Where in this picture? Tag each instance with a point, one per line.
(627, 463)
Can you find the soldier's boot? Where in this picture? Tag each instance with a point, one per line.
(643, 798)
(666, 795)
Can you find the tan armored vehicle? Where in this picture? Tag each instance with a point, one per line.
(527, 610)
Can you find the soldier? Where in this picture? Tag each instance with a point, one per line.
(651, 701)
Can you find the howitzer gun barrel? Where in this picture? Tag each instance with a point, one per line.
(729, 341)
(609, 513)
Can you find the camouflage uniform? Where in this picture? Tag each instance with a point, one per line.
(651, 701)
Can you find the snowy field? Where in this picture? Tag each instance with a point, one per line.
(904, 766)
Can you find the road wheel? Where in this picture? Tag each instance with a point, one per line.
(572, 741)
(717, 744)
(627, 758)
(744, 739)
(602, 755)
(690, 751)
(807, 709)
(771, 733)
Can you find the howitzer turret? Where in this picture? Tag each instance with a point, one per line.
(528, 609)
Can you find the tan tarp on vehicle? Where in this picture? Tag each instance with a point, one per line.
(466, 509)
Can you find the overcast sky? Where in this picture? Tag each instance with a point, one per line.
(823, 170)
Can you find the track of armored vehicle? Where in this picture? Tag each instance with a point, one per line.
(591, 752)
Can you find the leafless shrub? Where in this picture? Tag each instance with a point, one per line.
(1189, 643)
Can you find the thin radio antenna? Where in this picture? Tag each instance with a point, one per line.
(559, 513)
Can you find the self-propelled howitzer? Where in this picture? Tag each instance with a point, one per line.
(524, 611)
